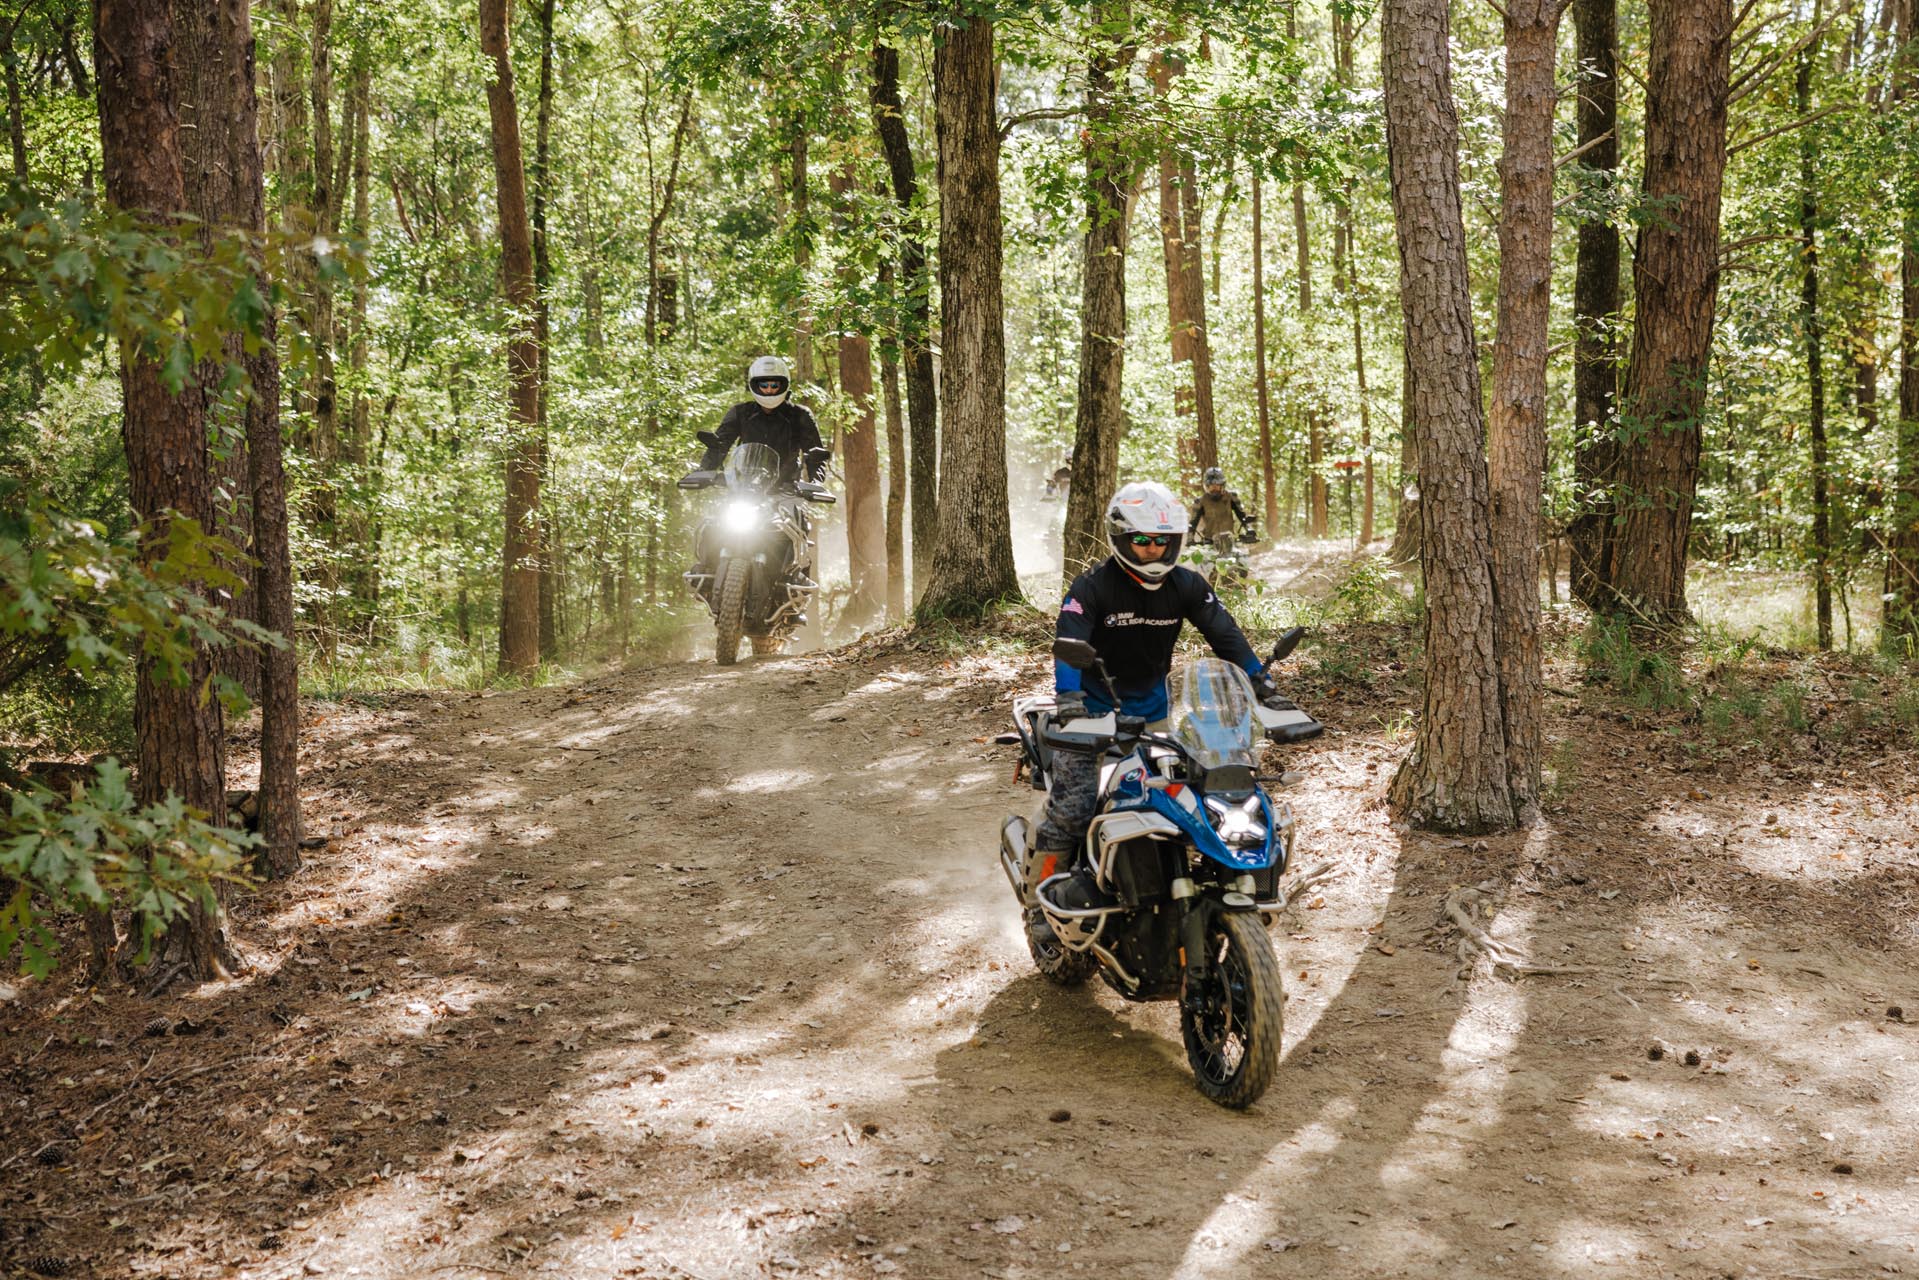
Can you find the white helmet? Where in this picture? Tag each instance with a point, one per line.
(767, 381)
(1145, 510)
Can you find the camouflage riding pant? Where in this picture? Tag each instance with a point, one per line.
(1070, 802)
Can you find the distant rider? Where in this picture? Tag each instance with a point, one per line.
(771, 418)
(1217, 508)
(1130, 607)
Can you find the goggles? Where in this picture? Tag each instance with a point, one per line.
(1154, 539)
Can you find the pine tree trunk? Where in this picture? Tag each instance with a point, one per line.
(1456, 776)
(323, 442)
(363, 562)
(1815, 355)
(1592, 536)
(1899, 630)
(1099, 418)
(542, 325)
(220, 99)
(520, 575)
(1675, 290)
(212, 72)
(1262, 392)
(180, 734)
(1406, 540)
(1346, 279)
(916, 324)
(1517, 459)
(973, 562)
(860, 455)
(803, 373)
(1182, 325)
(896, 467)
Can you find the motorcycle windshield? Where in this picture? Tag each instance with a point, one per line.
(754, 468)
(1213, 715)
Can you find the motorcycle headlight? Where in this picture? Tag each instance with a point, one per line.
(740, 517)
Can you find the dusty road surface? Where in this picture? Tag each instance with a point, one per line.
(704, 973)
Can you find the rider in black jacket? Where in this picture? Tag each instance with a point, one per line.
(1130, 607)
(771, 418)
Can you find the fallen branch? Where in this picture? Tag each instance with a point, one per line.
(1304, 881)
(1496, 951)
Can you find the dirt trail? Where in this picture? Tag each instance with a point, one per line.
(711, 973)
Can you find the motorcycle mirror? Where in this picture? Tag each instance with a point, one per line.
(707, 438)
(1288, 641)
(1077, 654)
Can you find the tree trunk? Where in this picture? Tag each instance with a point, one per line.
(520, 575)
(1099, 416)
(1517, 458)
(973, 563)
(212, 72)
(1899, 630)
(323, 443)
(179, 731)
(1675, 289)
(1346, 278)
(802, 260)
(1815, 339)
(1179, 237)
(1262, 392)
(16, 117)
(1406, 539)
(219, 99)
(363, 563)
(1592, 537)
(860, 456)
(1317, 517)
(542, 326)
(1456, 776)
(895, 484)
(915, 325)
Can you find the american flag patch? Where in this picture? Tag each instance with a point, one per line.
(1071, 606)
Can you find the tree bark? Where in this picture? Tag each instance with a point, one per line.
(1456, 776)
(1592, 536)
(1899, 630)
(1179, 237)
(973, 563)
(1517, 460)
(1346, 276)
(179, 731)
(219, 98)
(860, 456)
(916, 325)
(520, 575)
(896, 467)
(1815, 354)
(1406, 539)
(323, 442)
(1262, 391)
(363, 562)
(802, 259)
(542, 325)
(1099, 416)
(1676, 288)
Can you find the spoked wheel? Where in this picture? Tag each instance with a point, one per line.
(730, 619)
(1233, 1031)
(1056, 964)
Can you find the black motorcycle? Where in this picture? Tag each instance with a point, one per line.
(753, 553)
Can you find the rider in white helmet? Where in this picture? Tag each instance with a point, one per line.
(771, 418)
(1131, 607)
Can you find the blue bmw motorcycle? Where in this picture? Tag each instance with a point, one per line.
(1187, 850)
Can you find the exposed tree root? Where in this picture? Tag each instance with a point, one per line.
(1460, 904)
(1299, 885)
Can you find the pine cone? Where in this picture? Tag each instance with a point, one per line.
(53, 1157)
(157, 1027)
(49, 1265)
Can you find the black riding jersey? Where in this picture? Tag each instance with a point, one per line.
(1209, 517)
(1135, 630)
(789, 429)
